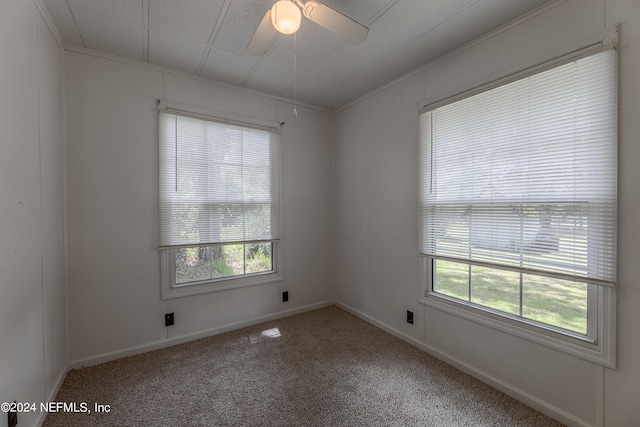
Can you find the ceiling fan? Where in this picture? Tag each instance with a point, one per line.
(285, 17)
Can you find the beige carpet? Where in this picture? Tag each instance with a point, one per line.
(321, 368)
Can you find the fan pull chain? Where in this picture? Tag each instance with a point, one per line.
(295, 73)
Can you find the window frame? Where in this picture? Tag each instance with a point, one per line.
(593, 299)
(601, 301)
(171, 290)
(168, 286)
(602, 351)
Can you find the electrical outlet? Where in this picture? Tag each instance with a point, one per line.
(285, 296)
(168, 319)
(12, 419)
(410, 317)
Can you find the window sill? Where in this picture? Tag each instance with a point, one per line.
(602, 353)
(170, 292)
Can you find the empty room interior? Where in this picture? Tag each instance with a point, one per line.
(454, 175)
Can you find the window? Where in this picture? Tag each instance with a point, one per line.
(219, 204)
(518, 194)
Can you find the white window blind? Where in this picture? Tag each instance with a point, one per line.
(219, 183)
(524, 176)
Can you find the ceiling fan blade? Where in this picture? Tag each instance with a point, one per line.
(336, 22)
(263, 36)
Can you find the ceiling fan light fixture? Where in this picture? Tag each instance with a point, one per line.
(286, 17)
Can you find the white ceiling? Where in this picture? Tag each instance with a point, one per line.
(209, 38)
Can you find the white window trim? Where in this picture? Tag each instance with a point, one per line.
(170, 290)
(168, 287)
(601, 352)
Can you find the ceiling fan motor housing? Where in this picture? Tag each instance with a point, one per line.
(286, 17)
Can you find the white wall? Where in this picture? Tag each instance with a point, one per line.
(376, 223)
(111, 158)
(370, 203)
(32, 334)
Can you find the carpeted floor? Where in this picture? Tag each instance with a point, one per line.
(321, 368)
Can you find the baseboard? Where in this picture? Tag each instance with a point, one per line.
(156, 345)
(514, 392)
(52, 395)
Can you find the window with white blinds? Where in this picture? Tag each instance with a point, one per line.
(219, 183)
(523, 176)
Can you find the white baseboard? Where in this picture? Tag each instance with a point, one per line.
(118, 354)
(52, 394)
(514, 392)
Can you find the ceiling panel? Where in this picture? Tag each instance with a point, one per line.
(128, 10)
(312, 42)
(110, 35)
(175, 52)
(424, 36)
(228, 67)
(360, 11)
(387, 35)
(209, 38)
(274, 71)
(193, 20)
(239, 24)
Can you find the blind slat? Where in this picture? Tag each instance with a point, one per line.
(524, 176)
(219, 183)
